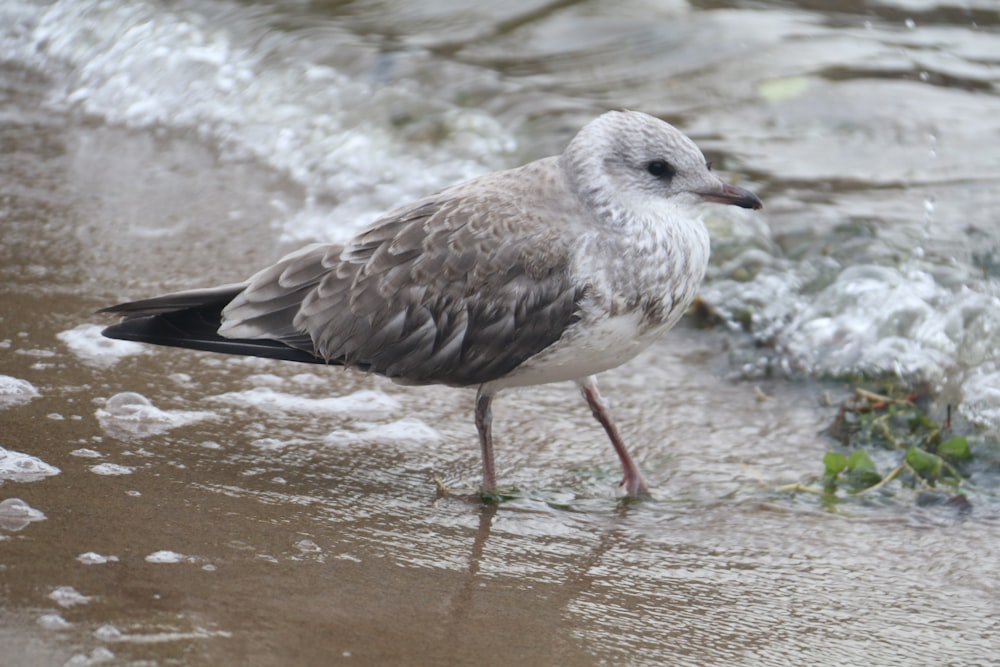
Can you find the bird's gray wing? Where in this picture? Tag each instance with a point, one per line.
(176, 301)
(458, 289)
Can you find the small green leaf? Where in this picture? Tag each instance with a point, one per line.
(861, 470)
(955, 449)
(925, 463)
(860, 461)
(834, 463)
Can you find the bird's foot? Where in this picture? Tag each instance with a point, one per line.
(635, 486)
(499, 494)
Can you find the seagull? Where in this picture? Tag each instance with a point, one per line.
(554, 271)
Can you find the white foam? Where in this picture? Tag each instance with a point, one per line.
(981, 390)
(109, 633)
(53, 622)
(85, 453)
(878, 319)
(111, 469)
(308, 547)
(168, 557)
(15, 514)
(92, 558)
(67, 596)
(409, 430)
(113, 634)
(97, 656)
(14, 391)
(129, 414)
(19, 467)
(365, 404)
(86, 342)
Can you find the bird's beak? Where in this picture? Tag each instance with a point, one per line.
(730, 194)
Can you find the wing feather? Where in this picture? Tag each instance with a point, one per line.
(459, 289)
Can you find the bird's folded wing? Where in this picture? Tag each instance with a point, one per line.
(453, 290)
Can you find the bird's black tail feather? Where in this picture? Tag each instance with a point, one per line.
(191, 320)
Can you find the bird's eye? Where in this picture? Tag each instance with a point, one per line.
(660, 169)
(708, 165)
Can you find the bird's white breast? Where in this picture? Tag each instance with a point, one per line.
(634, 295)
(582, 351)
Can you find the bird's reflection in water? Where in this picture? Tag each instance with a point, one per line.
(579, 575)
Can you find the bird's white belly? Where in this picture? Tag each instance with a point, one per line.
(584, 350)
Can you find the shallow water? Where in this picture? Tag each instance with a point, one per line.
(182, 508)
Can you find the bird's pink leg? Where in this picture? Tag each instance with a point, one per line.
(484, 424)
(633, 481)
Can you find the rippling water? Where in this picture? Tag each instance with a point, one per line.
(187, 509)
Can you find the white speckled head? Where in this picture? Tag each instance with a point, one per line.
(626, 160)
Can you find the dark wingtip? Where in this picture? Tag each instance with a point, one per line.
(197, 330)
(124, 330)
(108, 332)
